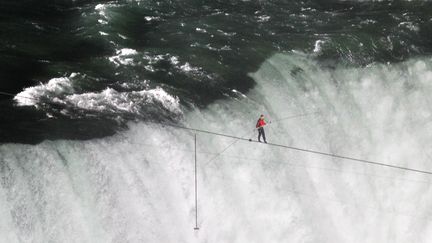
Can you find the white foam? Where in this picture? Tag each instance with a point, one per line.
(409, 25)
(184, 67)
(61, 91)
(56, 86)
(101, 8)
(149, 68)
(174, 60)
(124, 57)
(225, 48)
(152, 59)
(150, 18)
(126, 51)
(101, 21)
(188, 68)
(239, 93)
(110, 100)
(368, 21)
(122, 36)
(263, 18)
(201, 30)
(227, 33)
(318, 46)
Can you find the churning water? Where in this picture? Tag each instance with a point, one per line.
(353, 79)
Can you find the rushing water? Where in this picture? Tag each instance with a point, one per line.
(84, 157)
(78, 64)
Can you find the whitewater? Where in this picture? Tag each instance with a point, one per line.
(138, 185)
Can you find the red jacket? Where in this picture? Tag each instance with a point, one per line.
(260, 123)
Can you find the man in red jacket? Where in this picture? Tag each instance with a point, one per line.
(260, 125)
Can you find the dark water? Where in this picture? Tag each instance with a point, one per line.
(108, 54)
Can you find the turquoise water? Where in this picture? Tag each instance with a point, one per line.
(110, 54)
(85, 156)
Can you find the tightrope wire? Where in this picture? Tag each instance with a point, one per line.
(303, 150)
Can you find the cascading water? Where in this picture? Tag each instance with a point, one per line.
(137, 186)
(86, 154)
